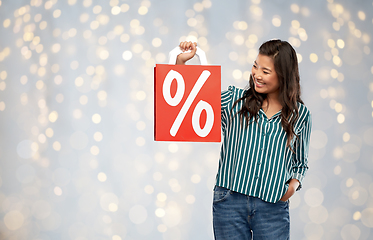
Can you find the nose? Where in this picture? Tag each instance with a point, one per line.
(254, 72)
(257, 74)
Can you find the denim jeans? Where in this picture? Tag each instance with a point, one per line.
(240, 217)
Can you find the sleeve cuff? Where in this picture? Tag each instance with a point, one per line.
(300, 178)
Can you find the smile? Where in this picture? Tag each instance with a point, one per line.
(258, 84)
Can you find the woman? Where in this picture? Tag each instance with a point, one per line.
(264, 152)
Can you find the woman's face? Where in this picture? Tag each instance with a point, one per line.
(265, 77)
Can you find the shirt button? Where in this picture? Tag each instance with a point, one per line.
(256, 177)
(259, 163)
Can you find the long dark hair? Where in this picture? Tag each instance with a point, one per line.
(286, 66)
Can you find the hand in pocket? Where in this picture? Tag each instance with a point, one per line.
(293, 185)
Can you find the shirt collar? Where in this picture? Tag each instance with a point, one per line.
(274, 116)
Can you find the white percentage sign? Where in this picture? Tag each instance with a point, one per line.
(201, 105)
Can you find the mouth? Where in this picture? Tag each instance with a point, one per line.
(259, 84)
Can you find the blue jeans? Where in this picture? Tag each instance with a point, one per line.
(240, 217)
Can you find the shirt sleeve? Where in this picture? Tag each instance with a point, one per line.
(226, 98)
(300, 159)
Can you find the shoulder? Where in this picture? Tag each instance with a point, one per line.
(304, 112)
(234, 91)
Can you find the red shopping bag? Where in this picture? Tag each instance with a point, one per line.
(187, 105)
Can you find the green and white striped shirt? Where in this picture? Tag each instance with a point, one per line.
(255, 160)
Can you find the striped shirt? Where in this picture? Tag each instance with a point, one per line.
(255, 160)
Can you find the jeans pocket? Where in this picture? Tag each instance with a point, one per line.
(220, 194)
(283, 204)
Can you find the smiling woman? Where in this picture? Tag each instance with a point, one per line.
(262, 163)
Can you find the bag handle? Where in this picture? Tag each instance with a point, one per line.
(176, 51)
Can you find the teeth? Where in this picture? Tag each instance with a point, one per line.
(258, 82)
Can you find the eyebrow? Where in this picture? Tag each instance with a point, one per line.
(262, 67)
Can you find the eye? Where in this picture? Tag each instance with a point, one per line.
(266, 72)
(254, 66)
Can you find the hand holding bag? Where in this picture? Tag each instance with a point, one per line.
(187, 104)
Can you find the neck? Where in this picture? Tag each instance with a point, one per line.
(273, 99)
